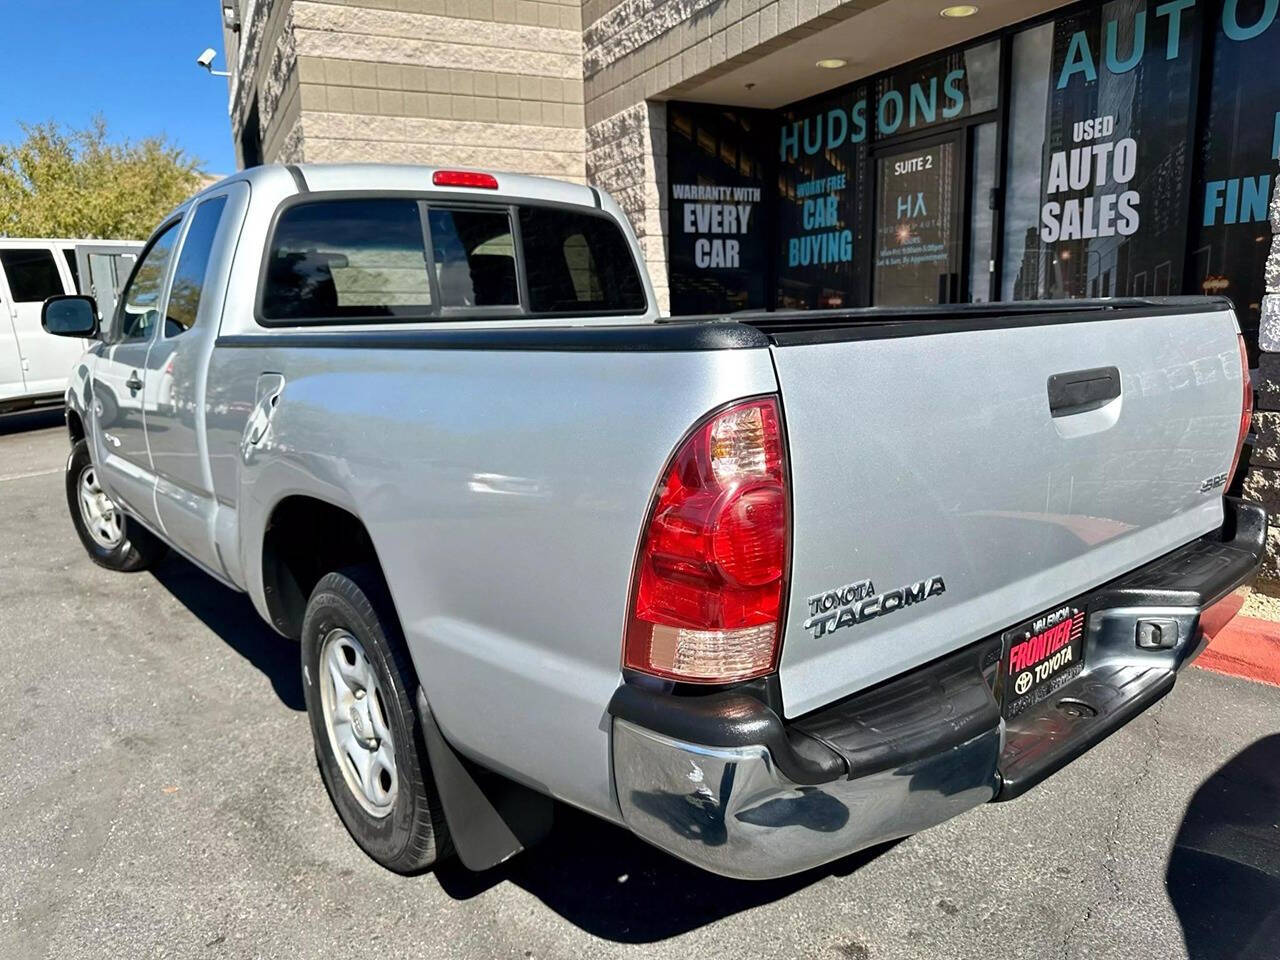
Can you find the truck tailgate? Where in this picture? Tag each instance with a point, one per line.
(928, 469)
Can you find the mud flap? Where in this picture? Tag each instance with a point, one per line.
(491, 818)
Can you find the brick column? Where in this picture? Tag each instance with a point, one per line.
(1262, 483)
(627, 155)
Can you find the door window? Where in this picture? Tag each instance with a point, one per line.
(475, 258)
(140, 303)
(193, 264)
(578, 263)
(917, 238)
(33, 275)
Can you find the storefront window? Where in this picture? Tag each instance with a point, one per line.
(982, 213)
(1238, 148)
(718, 226)
(945, 88)
(917, 253)
(1100, 161)
(822, 163)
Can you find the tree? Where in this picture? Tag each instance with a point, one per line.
(60, 182)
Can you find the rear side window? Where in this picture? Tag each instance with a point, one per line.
(33, 274)
(578, 263)
(193, 263)
(348, 259)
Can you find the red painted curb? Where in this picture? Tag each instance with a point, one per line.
(1241, 647)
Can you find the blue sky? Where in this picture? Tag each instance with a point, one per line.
(133, 61)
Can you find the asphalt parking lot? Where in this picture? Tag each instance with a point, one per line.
(160, 799)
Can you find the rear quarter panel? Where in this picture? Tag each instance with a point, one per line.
(504, 492)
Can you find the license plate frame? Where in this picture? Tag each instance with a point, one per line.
(1041, 655)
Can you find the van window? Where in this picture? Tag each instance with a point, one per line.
(33, 275)
(70, 254)
(578, 263)
(193, 263)
(348, 259)
(475, 257)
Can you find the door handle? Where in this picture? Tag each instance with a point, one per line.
(133, 383)
(1082, 390)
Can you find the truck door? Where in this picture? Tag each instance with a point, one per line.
(102, 268)
(30, 275)
(120, 379)
(175, 375)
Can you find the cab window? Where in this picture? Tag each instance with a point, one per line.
(578, 263)
(475, 257)
(338, 260)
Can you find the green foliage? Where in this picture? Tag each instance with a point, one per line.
(59, 182)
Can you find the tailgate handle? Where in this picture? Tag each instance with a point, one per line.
(1082, 390)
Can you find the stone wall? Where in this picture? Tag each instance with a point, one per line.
(265, 70)
(489, 83)
(1262, 482)
(627, 156)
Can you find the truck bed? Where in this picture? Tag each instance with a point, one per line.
(1005, 458)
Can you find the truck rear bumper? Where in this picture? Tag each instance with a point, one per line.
(721, 781)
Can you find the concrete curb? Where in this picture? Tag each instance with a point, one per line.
(1241, 647)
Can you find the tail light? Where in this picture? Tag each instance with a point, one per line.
(1246, 409)
(711, 574)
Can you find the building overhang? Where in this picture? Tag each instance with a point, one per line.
(884, 35)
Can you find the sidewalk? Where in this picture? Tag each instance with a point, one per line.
(1248, 645)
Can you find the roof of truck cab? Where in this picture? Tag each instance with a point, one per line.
(408, 177)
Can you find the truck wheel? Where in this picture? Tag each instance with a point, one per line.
(360, 688)
(112, 539)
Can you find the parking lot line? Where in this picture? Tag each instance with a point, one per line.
(28, 476)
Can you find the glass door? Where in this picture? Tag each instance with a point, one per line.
(918, 252)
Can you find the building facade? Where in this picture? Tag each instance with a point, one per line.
(811, 153)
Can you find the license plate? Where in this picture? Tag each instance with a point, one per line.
(1041, 656)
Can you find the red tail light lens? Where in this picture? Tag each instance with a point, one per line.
(1246, 409)
(711, 576)
(464, 178)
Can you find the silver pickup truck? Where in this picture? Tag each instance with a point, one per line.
(766, 589)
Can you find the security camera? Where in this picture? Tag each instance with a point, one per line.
(206, 60)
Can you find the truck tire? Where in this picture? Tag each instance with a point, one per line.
(360, 687)
(111, 538)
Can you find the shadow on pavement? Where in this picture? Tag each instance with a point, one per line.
(30, 420)
(615, 886)
(595, 875)
(1224, 871)
(232, 617)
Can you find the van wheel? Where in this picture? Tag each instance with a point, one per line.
(111, 538)
(360, 686)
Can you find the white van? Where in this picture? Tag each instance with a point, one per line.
(34, 366)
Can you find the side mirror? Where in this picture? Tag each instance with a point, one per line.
(70, 315)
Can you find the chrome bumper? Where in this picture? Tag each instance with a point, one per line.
(731, 811)
(721, 781)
